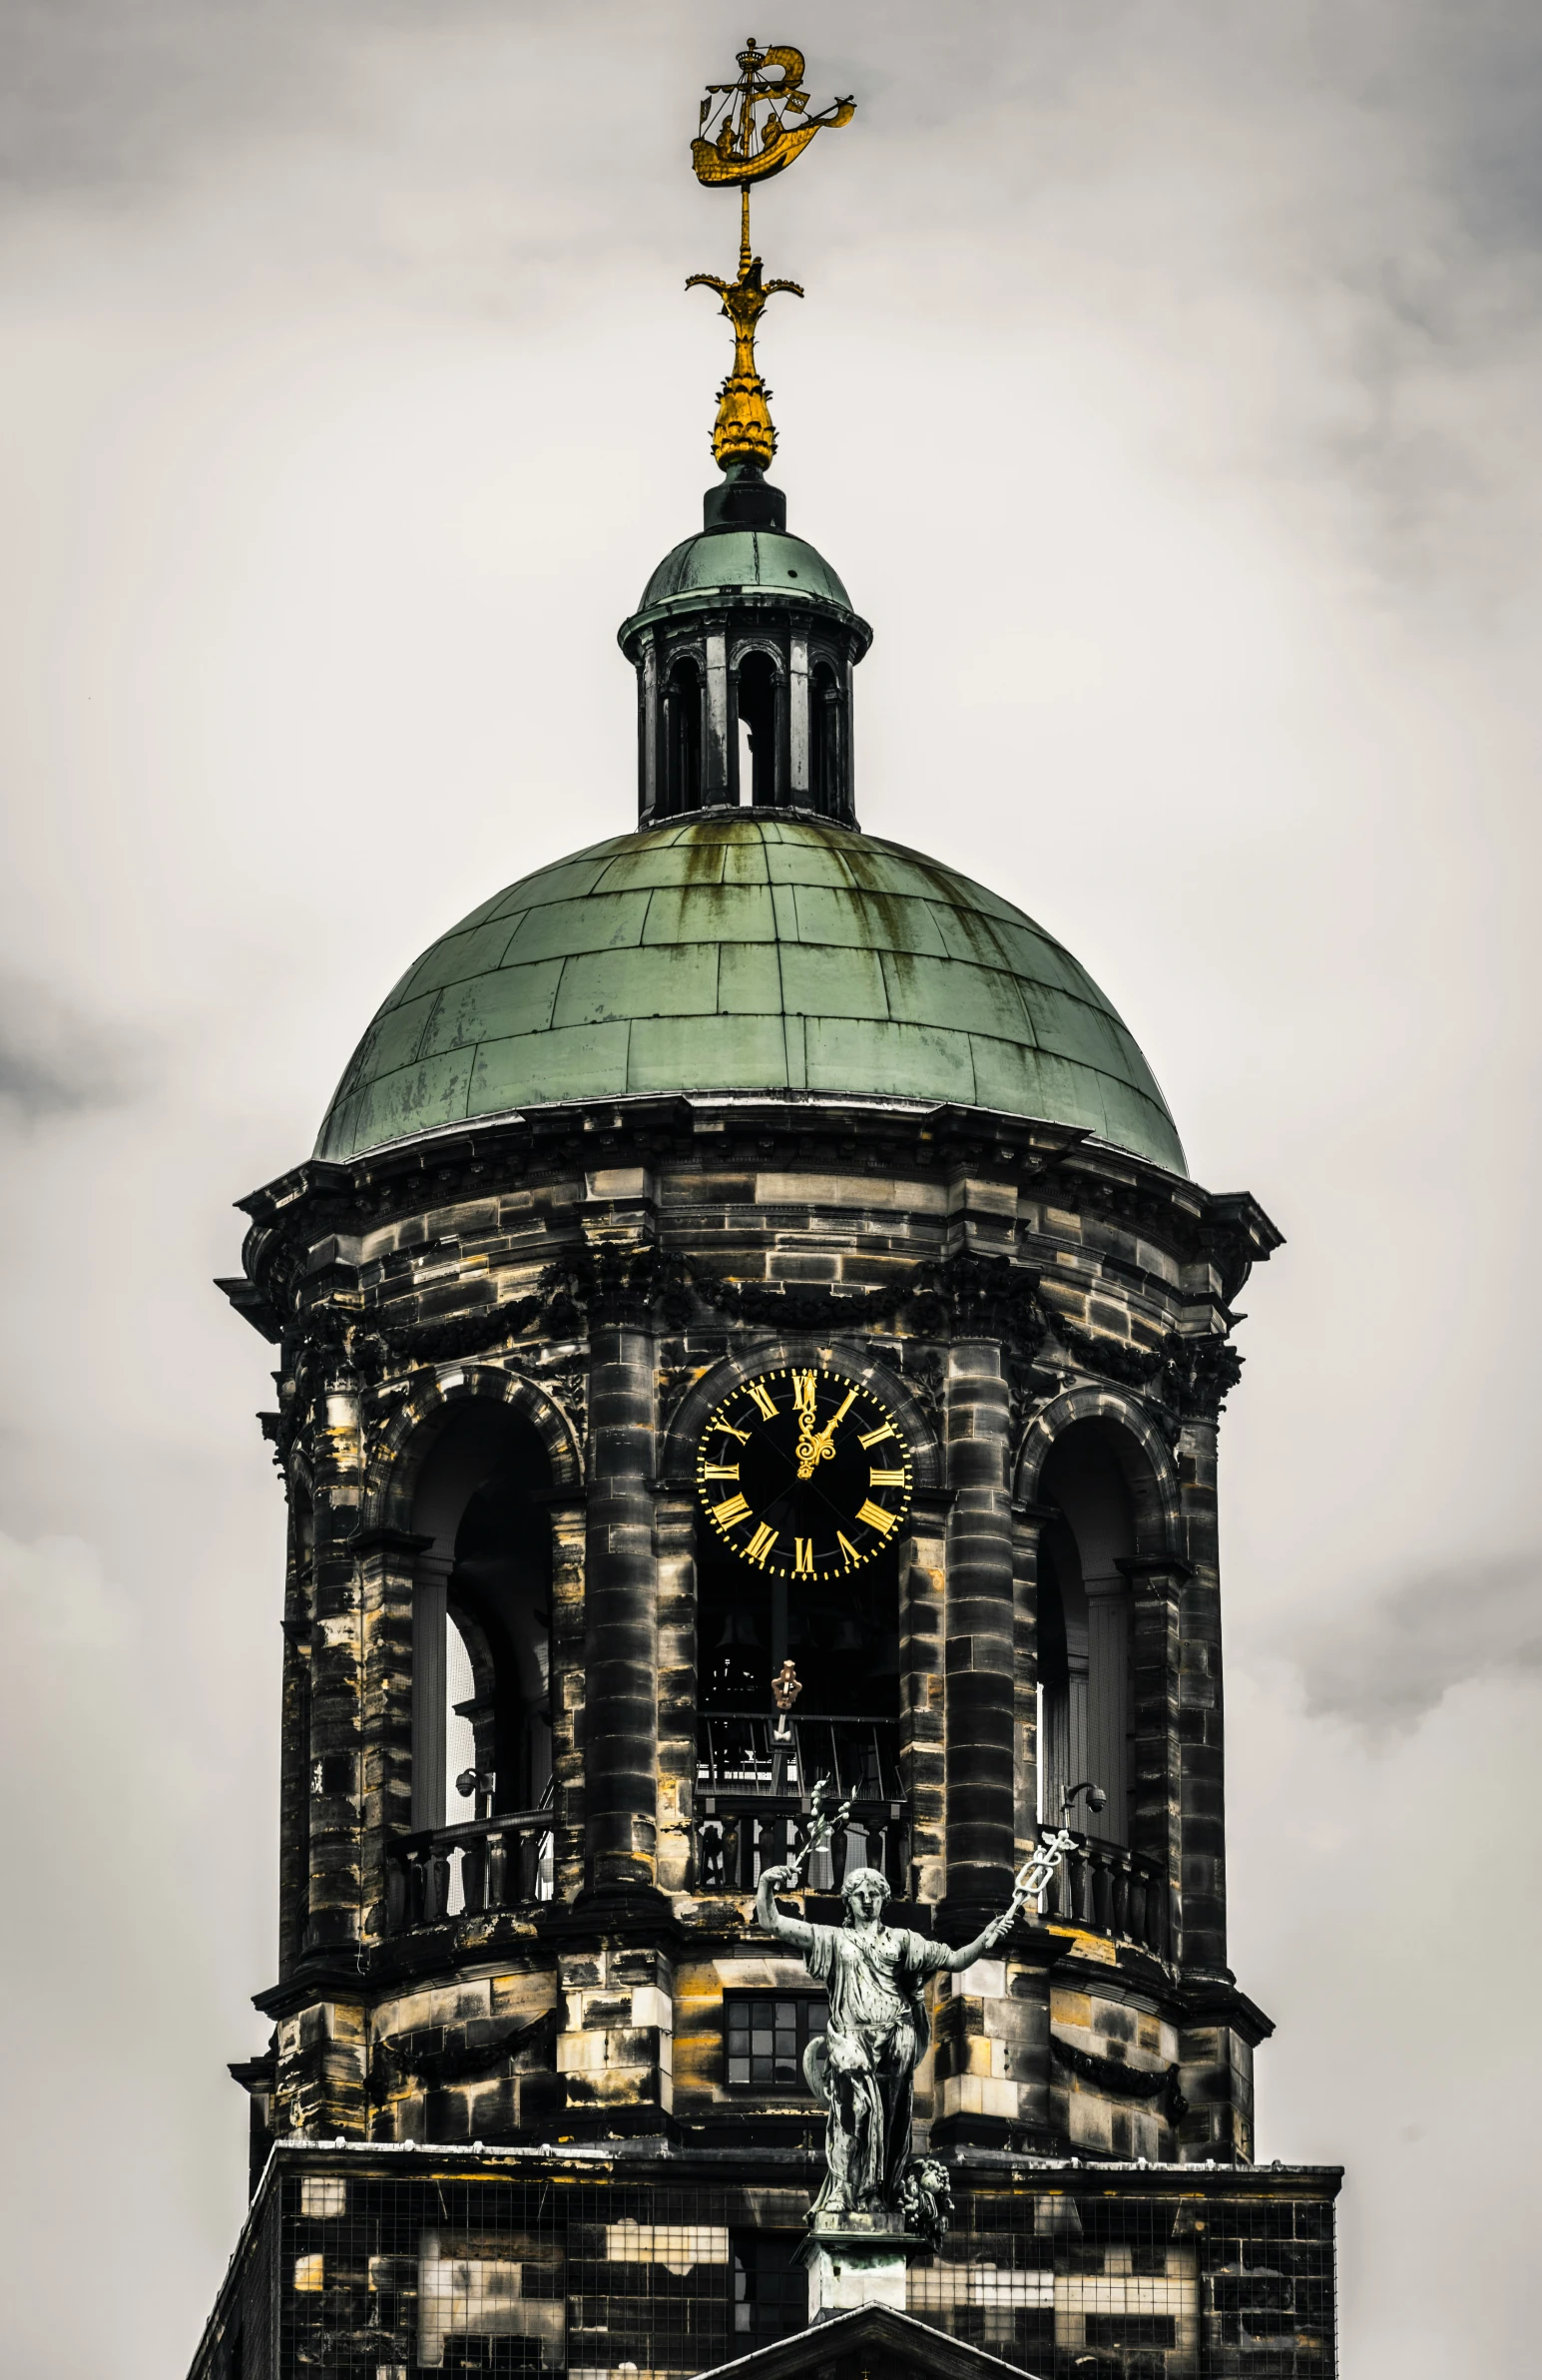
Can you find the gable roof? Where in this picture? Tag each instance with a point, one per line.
(874, 2342)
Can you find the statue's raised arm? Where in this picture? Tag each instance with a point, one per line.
(770, 1918)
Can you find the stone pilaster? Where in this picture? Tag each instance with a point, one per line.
(619, 1729)
(336, 1781)
(1202, 1943)
(978, 1654)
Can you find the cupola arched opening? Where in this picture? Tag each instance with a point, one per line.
(841, 1635)
(826, 776)
(681, 738)
(758, 709)
(481, 1633)
(1086, 1708)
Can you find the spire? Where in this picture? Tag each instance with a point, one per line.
(760, 126)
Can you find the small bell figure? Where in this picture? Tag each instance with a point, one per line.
(786, 1686)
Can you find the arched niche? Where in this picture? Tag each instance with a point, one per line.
(679, 739)
(472, 1479)
(1100, 1479)
(844, 1635)
(827, 742)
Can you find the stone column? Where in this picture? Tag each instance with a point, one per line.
(386, 1561)
(1202, 1941)
(1026, 1522)
(674, 1557)
(566, 1507)
(1155, 1653)
(978, 1652)
(798, 719)
(716, 779)
(647, 786)
(620, 1730)
(922, 1731)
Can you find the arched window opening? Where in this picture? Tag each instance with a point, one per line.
(682, 787)
(481, 1709)
(1085, 1704)
(842, 1638)
(824, 740)
(757, 704)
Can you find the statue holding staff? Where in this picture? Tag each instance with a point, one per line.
(864, 2067)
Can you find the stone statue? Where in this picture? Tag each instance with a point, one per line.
(863, 2067)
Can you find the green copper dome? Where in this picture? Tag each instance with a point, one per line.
(747, 953)
(738, 558)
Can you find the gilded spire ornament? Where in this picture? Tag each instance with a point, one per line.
(749, 130)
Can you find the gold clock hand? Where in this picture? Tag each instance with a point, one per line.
(815, 1449)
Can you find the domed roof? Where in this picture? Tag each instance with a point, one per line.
(740, 953)
(760, 557)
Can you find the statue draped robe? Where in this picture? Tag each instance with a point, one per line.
(865, 2067)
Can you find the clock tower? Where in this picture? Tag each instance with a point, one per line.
(749, 1344)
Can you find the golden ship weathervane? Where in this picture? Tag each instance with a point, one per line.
(749, 130)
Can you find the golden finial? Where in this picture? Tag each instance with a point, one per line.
(745, 135)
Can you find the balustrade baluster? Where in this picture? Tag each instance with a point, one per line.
(495, 1894)
(437, 1882)
(1119, 1897)
(473, 1877)
(1101, 1891)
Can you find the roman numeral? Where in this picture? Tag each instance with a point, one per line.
(846, 1547)
(802, 1557)
(875, 1437)
(729, 1430)
(726, 1470)
(876, 1518)
(804, 1384)
(760, 1544)
(735, 1510)
(761, 1395)
(884, 1478)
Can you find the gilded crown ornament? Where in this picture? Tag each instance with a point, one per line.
(749, 130)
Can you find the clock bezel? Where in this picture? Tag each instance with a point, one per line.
(717, 1429)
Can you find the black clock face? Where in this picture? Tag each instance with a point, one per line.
(804, 1472)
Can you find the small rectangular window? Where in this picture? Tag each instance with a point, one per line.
(765, 2035)
(771, 2291)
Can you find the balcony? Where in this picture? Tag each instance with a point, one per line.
(468, 1871)
(1101, 1887)
(752, 1795)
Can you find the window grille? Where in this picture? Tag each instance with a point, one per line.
(767, 2033)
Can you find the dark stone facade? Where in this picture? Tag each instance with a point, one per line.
(601, 1275)
(533, 2098)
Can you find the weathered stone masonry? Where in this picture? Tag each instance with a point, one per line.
(1003, 1287)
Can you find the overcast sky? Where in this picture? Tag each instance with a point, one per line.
(1167, 395)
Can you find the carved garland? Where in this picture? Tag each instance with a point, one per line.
(1123, 2082)
(963, 1295)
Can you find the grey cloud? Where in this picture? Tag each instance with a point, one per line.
(53, 1061)
(1385, 1665)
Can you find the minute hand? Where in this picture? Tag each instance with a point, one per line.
(813, 1449)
